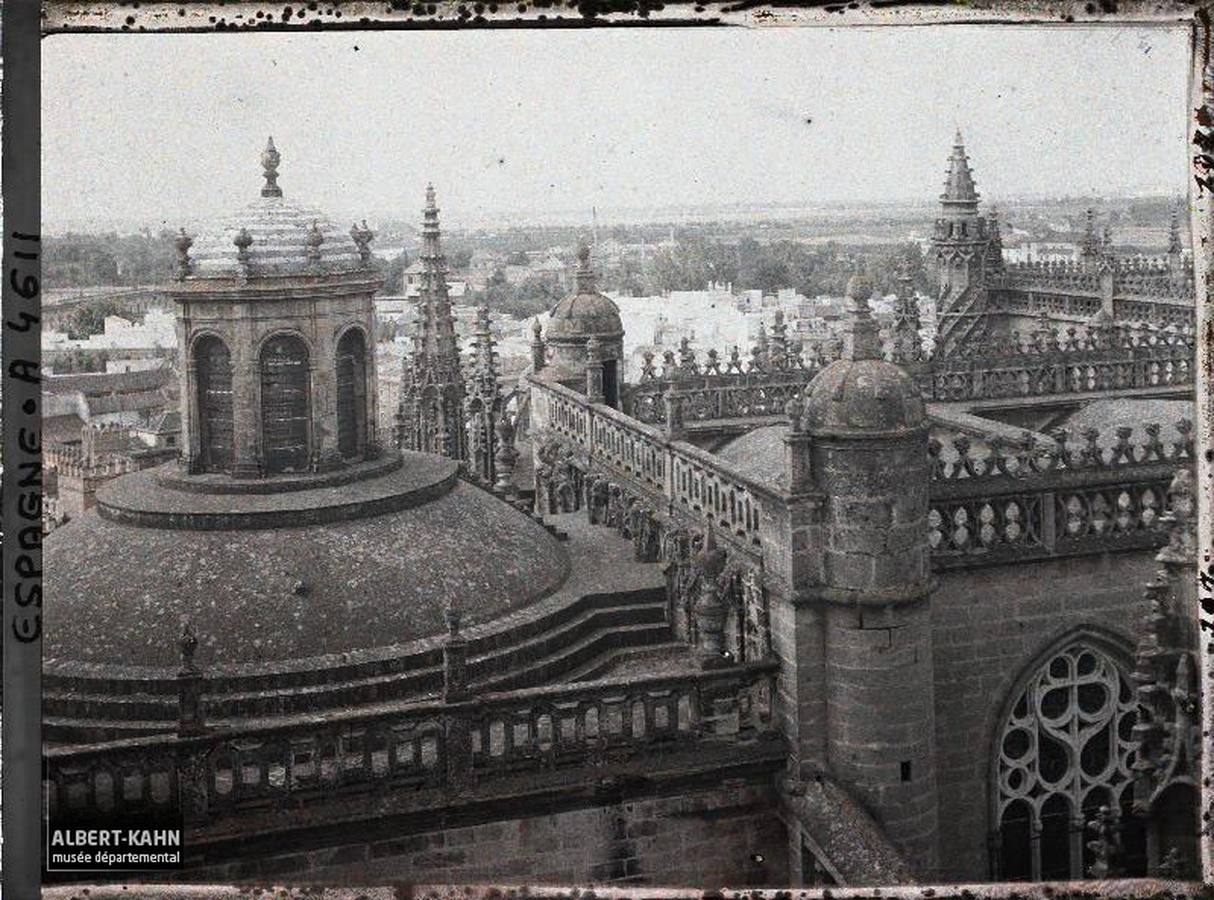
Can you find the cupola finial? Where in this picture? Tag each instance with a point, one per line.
(584, 276)
(270, 158)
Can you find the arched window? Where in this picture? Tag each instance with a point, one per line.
(1066, 750)
(352, 394)
(285, 424)
(213, 375)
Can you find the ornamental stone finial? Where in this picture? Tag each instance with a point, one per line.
(315, 239)
(862, 335)
(270, 158)
(362, 236)
(243, 242)
(183, 243)
(584, 276)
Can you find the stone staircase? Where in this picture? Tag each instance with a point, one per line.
(565, 643)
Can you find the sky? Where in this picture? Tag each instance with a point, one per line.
(513, 125)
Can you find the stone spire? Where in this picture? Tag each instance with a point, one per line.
(1089, 245)
(483, 404)
(439, 348)
(1174, 247)
(907, 340)
(861, 334)
(959, 197)
(962, 253)
(994, 250)
(484, 360)
(437, 425)
(270, 158)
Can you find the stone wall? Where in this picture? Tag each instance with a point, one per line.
(988, 627)
(727, 834)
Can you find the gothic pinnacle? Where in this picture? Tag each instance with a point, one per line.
(959, 193)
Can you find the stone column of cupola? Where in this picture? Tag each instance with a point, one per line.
(191, 450)
(322, 376)
(862, 606)
(246, 397)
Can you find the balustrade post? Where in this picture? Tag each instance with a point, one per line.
(190, 718)
(457, 728)
(1048, 522)
(455, 659)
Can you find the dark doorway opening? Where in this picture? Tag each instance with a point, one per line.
(351, 395)
(213, 368)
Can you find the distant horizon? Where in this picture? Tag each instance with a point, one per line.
(767, 213)
(519, 126)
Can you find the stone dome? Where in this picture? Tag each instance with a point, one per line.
(863, 395)
(587, 313)
(280, 237)
(267, 579)
(862, 392)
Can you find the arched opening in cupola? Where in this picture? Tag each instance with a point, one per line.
(213, 376)
(352, 394)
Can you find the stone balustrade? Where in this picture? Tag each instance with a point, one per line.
(1032, 501)
(684, 476)
(436, 744)
(1050, 361)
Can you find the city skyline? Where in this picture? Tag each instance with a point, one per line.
(672, 119)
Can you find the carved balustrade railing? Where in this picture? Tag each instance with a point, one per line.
(1145, 292)
(716, 397)
(1050, 362)
(1000, 504)
(677, 476)
(437, 745)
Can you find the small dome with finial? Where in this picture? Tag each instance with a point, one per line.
(862, 392)
(587, 312)
(283, 237)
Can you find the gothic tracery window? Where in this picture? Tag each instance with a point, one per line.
(1065, 750)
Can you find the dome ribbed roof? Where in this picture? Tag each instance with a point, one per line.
(278, 237)
(281, 232)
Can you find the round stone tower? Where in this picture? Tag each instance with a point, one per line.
(275, 336)
(866, 430)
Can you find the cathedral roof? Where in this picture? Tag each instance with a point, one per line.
(277, 237)
(587, 312)
(118, 591)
